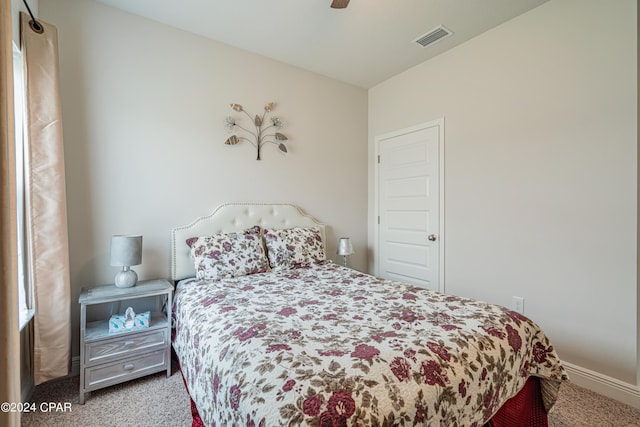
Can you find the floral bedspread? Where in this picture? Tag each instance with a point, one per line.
(329, 346)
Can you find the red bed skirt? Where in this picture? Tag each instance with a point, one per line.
(197, 421)
(525, 409)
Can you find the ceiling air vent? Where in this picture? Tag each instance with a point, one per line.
(433, 36)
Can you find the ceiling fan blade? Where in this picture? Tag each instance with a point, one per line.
(339, 4)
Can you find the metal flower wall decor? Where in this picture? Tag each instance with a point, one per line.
(266, 129)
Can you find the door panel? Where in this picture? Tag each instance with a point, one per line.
(408, 187)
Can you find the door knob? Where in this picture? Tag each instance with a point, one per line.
(432, 237)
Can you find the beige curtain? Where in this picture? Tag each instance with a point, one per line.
(48, 254)
(9, 336)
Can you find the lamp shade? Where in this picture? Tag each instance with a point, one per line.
(345, 247)
(126, 250)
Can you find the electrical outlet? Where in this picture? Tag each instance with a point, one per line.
(518, 304)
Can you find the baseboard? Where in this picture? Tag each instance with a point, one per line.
(604, 385)
(75, 366)
(27, 390)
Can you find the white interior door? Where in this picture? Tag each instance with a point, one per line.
(409, 206)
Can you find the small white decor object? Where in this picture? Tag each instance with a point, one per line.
(125, 252)
(345, 248)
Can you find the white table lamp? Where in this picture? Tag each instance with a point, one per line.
(125, 252)
(345, 248)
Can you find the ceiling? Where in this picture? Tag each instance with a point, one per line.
(363, 45)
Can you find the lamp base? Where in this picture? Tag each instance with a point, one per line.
(126, 278)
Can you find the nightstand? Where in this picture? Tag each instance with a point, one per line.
(111, 358)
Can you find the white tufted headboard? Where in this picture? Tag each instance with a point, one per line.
(232, 217)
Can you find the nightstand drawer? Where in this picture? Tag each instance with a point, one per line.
(126, 369)
(124, 346)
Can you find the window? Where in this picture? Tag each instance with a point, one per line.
(24, 290)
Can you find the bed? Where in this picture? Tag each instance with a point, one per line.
(268, 332)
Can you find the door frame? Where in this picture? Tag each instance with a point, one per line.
(439, 123)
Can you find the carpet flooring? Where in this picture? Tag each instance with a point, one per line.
(158, 401)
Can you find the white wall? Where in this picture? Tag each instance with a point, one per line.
(540, 170)
(17, 6)
(143, 110)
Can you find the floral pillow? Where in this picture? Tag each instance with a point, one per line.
(228, 254)
(294, 247)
